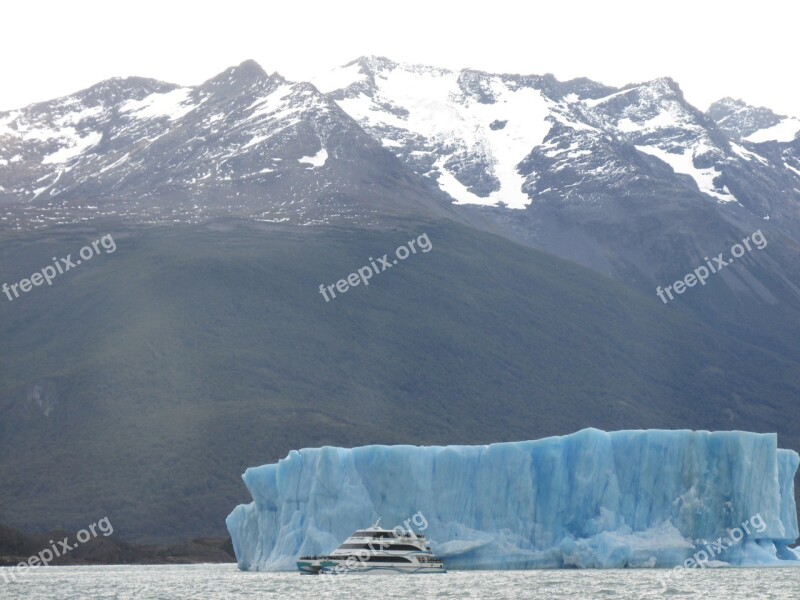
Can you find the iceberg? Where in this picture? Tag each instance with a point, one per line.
(592, 499)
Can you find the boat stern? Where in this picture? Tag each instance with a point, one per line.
(309, 566)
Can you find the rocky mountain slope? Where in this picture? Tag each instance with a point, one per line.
(141, 385)
(243, 143)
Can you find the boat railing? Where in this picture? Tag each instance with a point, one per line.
(407, 534)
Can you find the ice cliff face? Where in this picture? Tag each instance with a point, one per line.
(590, 499)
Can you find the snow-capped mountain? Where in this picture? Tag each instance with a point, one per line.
(776, 136)
(467, 131)
(512, 141)
(252, 144)
(244, 143)
(753, 123)
(634, 182)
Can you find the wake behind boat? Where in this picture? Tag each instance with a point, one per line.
(376, 551)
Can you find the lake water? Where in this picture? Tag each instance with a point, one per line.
(225, 582)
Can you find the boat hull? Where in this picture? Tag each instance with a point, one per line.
(340, 567)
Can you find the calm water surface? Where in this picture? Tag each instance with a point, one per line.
(227, 583)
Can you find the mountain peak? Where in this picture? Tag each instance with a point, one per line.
(372, 63)
(106, 92)
(249, 68)
(244, 73)
(729, 102)
(664, 86)
(739, 119)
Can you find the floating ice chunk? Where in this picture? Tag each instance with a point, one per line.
(590, 499)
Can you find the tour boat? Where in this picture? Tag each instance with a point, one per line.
(375, 551)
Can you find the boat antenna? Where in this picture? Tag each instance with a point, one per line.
(378, 522)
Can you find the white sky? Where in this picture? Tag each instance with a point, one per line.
(743, 49)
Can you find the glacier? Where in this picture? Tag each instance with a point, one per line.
(591, 499)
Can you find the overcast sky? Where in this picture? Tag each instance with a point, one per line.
(713, 49)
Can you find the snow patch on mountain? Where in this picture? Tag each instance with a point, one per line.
(79, 115)
(59, 131)
(747, 154)
(339, 78)
(414, 106)
(318, 160)
(683, 163)
(272, 103)
(6, 120)
(173, 105)
(593, 102)
(671, 117)
(785, 131)
(453, 187)
(792, 169)
(79, 146)
(255, 141)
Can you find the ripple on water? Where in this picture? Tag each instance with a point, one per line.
(225, 582)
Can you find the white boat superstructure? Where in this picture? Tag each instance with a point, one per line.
(376, 550)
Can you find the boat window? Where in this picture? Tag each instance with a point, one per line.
(387, 559)
(401, 547)
(362, 547)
